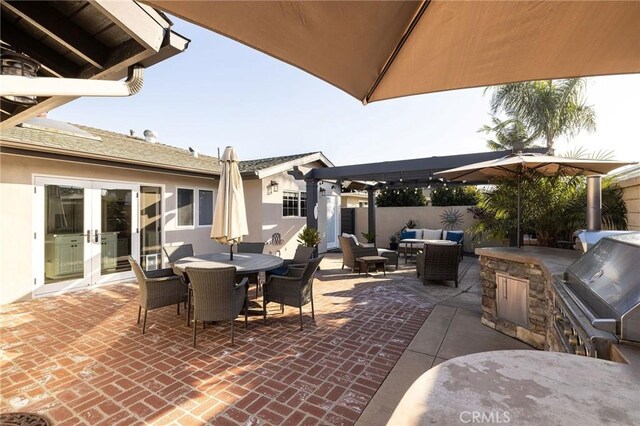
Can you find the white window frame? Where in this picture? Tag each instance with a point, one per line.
(299, 198)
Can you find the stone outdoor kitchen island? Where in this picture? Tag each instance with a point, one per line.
(516, 289)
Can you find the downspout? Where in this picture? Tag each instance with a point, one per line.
(13, 85)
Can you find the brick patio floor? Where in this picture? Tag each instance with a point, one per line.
(80, 358)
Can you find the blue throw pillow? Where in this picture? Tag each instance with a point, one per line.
(455, 236)
(405, 235)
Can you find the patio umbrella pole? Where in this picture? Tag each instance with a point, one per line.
(518, 232)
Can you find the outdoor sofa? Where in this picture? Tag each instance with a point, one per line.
(412, 240)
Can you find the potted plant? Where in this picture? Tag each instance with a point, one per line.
(393, 242)
(370, 237)
(309, 237)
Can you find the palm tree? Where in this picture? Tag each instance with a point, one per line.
(509, 134)
(548, 109)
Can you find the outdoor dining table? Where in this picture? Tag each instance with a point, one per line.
(245, 263)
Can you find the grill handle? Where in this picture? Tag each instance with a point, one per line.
(596, 276)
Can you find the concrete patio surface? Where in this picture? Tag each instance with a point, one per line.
(79, 358)
(452, 329)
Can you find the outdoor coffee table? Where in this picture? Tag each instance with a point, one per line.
(367, 261)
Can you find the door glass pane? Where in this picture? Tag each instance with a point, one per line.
(115, 238)
(150, 231)
(64, 238)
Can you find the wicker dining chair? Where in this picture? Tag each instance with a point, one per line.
(439, 262)
(293, 289)
(300, 259)
(157, 289)
(175, 253)
(216, 296)
(244, 247)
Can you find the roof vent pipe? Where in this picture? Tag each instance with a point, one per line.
(150, 136)
(193, 152)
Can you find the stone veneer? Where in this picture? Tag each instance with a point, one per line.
(536, 264)
(535, 333)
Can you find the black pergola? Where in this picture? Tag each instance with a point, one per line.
(416, 173)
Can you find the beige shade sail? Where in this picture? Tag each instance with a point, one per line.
(229, 215)
(376, 50)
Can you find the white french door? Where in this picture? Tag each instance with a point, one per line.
(84, 232)
(332, 222)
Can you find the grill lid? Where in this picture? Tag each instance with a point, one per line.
(607, 277)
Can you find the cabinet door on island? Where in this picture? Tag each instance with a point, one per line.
(512, 299)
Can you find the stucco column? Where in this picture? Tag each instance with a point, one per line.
(312, 203)
(371, 209)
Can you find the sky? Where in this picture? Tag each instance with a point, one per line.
(219, 92)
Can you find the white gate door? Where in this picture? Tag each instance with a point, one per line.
(333, 217)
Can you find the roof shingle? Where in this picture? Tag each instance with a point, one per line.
(45, 134)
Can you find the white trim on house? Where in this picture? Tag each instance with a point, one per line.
(286, 166)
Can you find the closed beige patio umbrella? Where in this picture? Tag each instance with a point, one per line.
(230, 215)
(375, 50)
(518, 164)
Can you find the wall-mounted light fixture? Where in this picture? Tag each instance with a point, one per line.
(323, 191)
(272, 187)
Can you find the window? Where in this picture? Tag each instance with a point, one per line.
(205, 207)
(294, 204)
(303, 204)
(185, 207)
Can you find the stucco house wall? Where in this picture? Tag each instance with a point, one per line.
(20, 264)
(17, 176)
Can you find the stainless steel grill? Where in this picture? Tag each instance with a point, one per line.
(597, 299)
